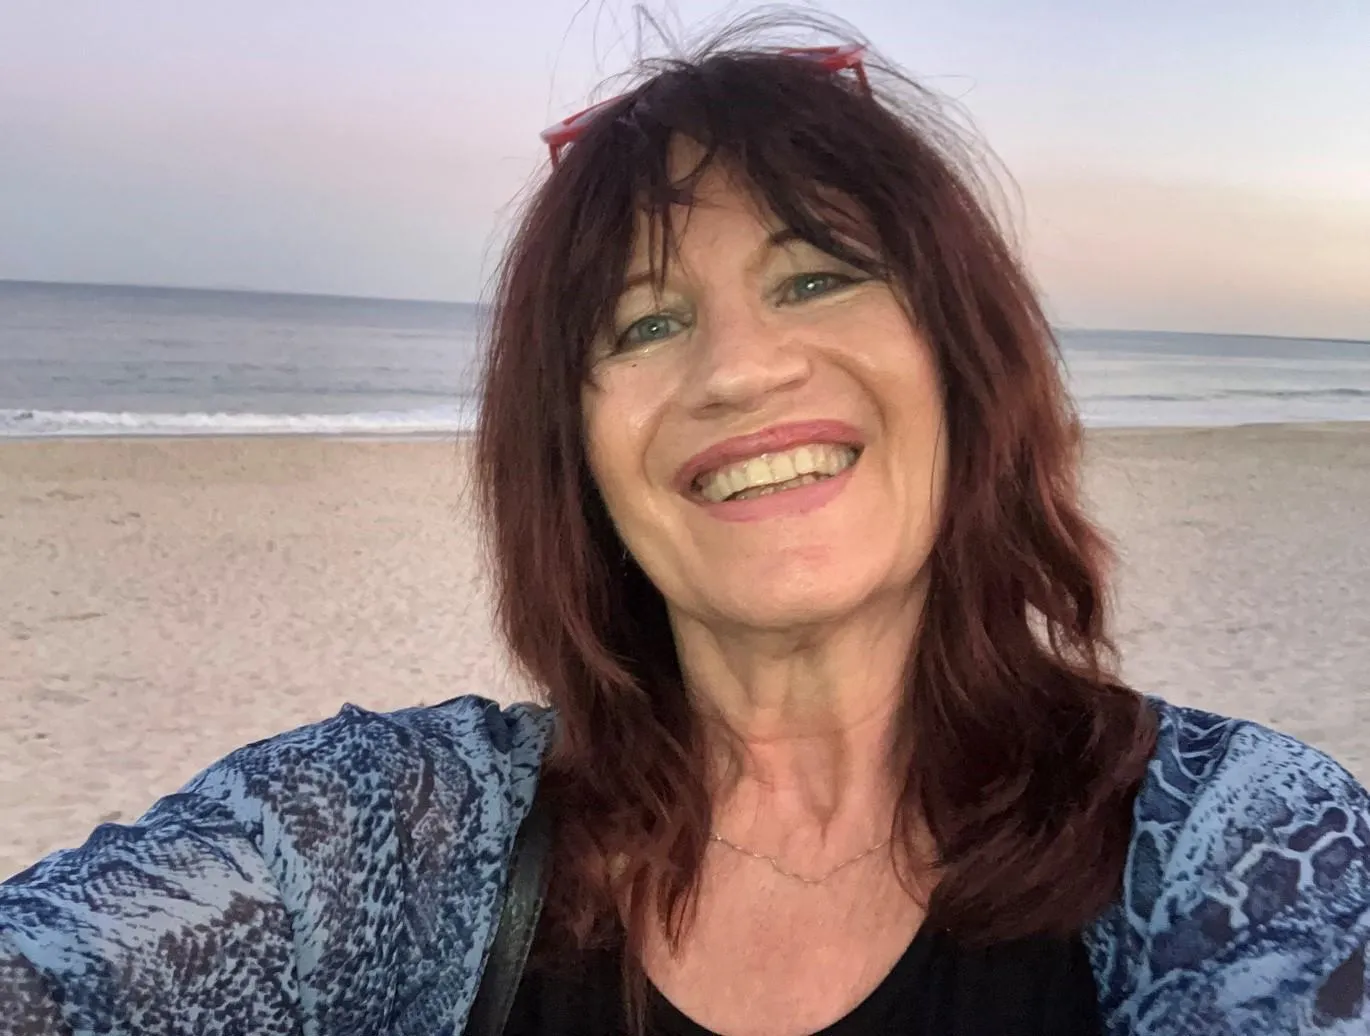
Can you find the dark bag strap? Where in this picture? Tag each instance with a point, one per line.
(526, 889)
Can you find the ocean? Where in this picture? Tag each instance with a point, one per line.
(94, 360)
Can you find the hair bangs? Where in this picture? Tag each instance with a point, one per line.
(815, 183)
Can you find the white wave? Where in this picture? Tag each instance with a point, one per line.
(66, 423)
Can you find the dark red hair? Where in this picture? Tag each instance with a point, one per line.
(1024, 751)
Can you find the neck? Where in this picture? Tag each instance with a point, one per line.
(803, 729)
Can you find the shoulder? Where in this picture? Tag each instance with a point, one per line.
(387, 835)
(1247, 884)
(1220, 789)
(368, 761)
(1285, 827)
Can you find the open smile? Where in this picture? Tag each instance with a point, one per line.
(781, 470)
(775, 472)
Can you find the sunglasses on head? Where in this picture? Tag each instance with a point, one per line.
(833, 59)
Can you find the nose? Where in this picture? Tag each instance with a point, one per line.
(742, 359)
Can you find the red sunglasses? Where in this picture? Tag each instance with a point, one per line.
(834, 59)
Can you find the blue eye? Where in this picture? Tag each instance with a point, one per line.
(811, 285)
(654, 328)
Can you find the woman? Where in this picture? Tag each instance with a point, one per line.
(780, 478)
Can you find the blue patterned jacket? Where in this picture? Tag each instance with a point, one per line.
(344, 878)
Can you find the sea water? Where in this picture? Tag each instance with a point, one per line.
(94, 360)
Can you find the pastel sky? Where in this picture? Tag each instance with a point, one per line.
(1180, 165)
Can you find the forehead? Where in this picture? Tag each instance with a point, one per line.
(716, 207)
(720, 210)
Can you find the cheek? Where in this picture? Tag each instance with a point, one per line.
(928, 437)
(600, 446)
(618, 433)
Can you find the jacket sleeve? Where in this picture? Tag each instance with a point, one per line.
(1248, 889)
(341, 878)
(172, 924)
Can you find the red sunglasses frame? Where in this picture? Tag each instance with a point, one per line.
(834, 59)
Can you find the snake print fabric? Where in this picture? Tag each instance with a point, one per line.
(339, 879)
(1246, 899)
(344, 878)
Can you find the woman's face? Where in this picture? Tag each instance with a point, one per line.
(767, 433)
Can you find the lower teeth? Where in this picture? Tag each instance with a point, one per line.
(794, 483)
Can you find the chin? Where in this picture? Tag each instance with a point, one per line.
(776, 603)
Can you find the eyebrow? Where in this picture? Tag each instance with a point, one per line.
(776, 239)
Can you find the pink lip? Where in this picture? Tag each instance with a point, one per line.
(769, 440)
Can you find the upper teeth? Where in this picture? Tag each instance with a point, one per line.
(769, 469)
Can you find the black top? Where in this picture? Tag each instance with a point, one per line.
(1029, 987)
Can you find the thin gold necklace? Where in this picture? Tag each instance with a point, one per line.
(806, 879)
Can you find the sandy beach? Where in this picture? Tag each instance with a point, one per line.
(165, 601)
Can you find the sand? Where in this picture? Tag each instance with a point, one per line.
(164, 601)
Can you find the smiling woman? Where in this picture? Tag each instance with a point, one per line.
(798, 556)
(780, 480)
(812, 485)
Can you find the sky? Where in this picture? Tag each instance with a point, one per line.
(1172, 165)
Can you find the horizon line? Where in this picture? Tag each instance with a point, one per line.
(333, 296)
